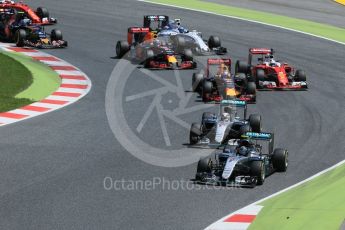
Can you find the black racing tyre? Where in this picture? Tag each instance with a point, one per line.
(257, 169)
(180, 43)
(251, 88)
(300, 75)
(280, 160)
(204, 165)
(206, 127)
(42, 12)
(56, 35)
(197, 80)
(241, 79)
(241, 67)
(187, 55)
(207, 115)
(214, 42)
(122, 47)
(195, 133)
(20, 37)
(260, 75)
(148, 57)
(207, 87)
(255, 122)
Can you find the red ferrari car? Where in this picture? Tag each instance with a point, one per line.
(268, 73)
(38, 16)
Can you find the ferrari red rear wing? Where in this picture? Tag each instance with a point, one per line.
(261, 51)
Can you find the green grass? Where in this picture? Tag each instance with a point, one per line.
(315, 28)
(14, 78)
(24, 81)
(317, 204)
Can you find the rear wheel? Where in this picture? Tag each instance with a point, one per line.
(20, 37)
(258, 170)
(56, 35)
(255, 122)
(195, 133)
(42, 12)
(280, 159)
(122, 47)
(214, 42)
(197, 81)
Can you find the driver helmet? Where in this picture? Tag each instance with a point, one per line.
(25, 22)
(177, 22)
(267, 59)
(225, 117)
(243, 151)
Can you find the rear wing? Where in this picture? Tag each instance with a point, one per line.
(134, 30)
(138, 34)
(264, 51)
(235, 103)
(269, 137)
(218, 61)
(156, 18)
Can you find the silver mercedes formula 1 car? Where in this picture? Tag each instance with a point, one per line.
(216, 130)
(243, 162)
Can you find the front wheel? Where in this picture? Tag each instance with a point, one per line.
(187, 55)
(280, 159)
(251, 88)
(56, 35)
(194, 134)
(255, 122)
(241, 67)
(258, 170)
(20, 37)
(197, 81)
(300, 75)
(122, 47)
(149, 55)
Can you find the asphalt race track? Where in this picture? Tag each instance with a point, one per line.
(53, 166)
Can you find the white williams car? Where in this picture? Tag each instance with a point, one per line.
(193, 40)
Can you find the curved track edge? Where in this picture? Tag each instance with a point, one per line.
(75, 84)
